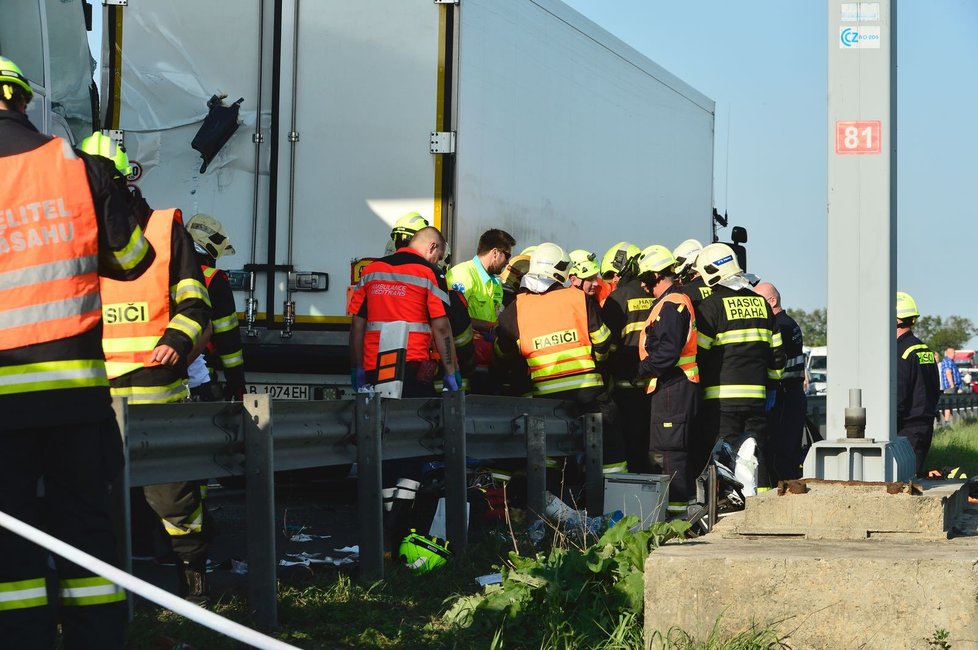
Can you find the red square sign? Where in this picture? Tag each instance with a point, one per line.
(858, 137)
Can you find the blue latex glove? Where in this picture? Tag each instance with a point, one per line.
(770, 399)
(450, 383)
(489, 336)
(358, 378)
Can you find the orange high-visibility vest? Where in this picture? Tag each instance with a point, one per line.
(554, 337)
(135, 313)
(687, 357)
(48, 247)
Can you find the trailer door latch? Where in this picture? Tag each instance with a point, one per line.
(308, 281)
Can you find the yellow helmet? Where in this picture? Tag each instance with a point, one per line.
(685, 254)
(209, 233)
(10, 73)
(550, 261)
(655, 259)
(617, 258)
(906, 306)
(99, 144)
(716, 263)
(514, 271)
(528, 250)
(406, 227)
(583, 263)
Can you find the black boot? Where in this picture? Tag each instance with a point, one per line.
(193, 582)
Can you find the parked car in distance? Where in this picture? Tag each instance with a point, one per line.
(816, 366)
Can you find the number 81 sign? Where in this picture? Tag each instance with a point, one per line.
(857, 137)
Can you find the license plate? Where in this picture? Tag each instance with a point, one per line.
(281, 391)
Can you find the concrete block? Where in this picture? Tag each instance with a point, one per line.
(832, 510)
(818, 594)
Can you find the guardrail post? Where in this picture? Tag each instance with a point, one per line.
(369, 427)
(593, 462)
(260, 509)
(456, 485)
(536, 464)
(122, 518)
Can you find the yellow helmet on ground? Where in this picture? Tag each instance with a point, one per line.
(906, 306)
(655, 259)
(99, 144)
(583, 263)
(716, 263)
(10, 76)
(617, 258)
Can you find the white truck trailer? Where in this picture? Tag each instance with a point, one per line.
(517, 114)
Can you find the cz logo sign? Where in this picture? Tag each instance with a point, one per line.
(858, 137)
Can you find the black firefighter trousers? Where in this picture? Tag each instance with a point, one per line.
(77, 463)
(672, 409)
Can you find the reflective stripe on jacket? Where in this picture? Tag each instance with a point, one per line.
(687, 357)
(136, 313)
(49, 287)
(555, 341)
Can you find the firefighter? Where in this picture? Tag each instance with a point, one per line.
(151, 327)
(614, 260)
(918, 382)
(512, 276)
(211, 242)
(625, 312)
(667, 353)
(559, 333)
(405, 287)
(58, 422)
(584, 271)
(740, 360)
(690, 281)
(404, 229)
(786, 420)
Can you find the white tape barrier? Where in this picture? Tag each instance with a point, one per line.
(144, 589)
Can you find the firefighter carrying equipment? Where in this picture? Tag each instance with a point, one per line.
(555, 341)
(550, 262)
(583, 264)
(58, 235)
(716, 263)
(136, 313)
(99, 144)
(687, 357)
(209, 233)
(906, 306)
(686, 254)
(10, 73)
(617, 257)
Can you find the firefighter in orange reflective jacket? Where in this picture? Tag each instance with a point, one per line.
(667, 353)
(558, 331)
(151, 327)
(65, 224)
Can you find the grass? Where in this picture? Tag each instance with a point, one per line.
(955, 446)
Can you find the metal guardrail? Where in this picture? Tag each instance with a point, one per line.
(257, 437)
(961, 405)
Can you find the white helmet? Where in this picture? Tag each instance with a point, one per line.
(685, 255)
(549, 261)
(716, 263)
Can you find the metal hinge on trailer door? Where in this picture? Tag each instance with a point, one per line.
(442, 142)
(118, 3)
(446, 2)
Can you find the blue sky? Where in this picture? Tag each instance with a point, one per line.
(764, 63)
